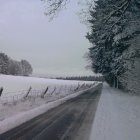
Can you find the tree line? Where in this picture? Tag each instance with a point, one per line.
(115, 38)
(83, 78)
(9, 66)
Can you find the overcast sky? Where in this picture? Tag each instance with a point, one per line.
(54, 48)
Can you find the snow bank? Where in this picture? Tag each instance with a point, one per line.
(117, 116)
(16, 120)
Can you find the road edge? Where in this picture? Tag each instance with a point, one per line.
(21, 118)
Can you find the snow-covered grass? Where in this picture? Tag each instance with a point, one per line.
(26, 109)
(13, 103)
(117, 116)
(13, 84)
(16, 87)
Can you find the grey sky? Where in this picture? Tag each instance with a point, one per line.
(54, 48)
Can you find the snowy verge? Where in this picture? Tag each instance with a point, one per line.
(117, 116)
(17, 120)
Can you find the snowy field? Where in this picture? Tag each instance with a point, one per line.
(117, 116)
(16, 112)
(14, 101)
(15, 84)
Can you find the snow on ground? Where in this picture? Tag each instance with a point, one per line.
(13, 84)
(15, 109)
(117, 116)
(13, 99)
(20, 118)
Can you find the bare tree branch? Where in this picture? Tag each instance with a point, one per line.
(123, 12)
(123, 4)
(53, 7)
(121, 15)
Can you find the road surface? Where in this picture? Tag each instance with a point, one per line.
(71, 120)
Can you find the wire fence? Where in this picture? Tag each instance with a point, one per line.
(50, 91)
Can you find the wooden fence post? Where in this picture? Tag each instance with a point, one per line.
(28, 92)
(1, 90)
(53, 91)
(77, 87)
(83, 85)
(42, 96)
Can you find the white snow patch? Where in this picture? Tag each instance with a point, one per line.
(117, 116)
(13, 84)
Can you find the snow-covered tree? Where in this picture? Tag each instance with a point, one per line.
(26, 67)
(115, 27)
(13, 67)
(4, 62)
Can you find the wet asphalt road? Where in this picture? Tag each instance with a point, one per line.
(71, 120)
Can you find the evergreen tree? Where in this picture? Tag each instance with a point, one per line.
(114, 27)
(4, 62)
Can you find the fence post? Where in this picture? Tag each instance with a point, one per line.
(28, 92)
(53, 91)
(83, 85)
(1, 90)
(77, 87)
(42, 96)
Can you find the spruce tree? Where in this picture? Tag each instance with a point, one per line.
(115, 26)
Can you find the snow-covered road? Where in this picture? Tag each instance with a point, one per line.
(117, 116)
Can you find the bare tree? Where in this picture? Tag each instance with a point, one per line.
(53, 7)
